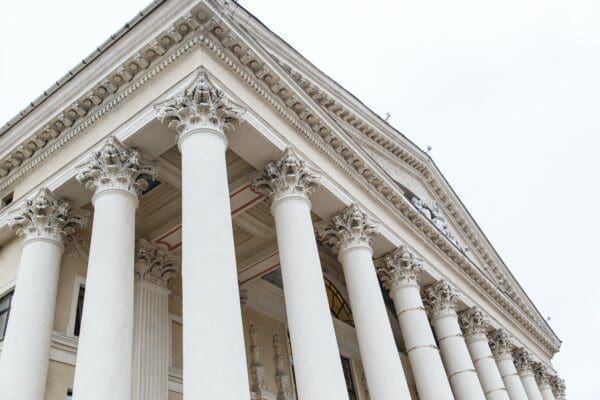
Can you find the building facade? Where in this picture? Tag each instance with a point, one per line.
(197, 211)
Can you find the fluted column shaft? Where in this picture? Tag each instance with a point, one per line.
(455, 355)
(104, 355)
(26, 347)
(474, 326)
(214, 357)
(319, 376)
(150, 342)
(399, 272)
(350, 233)
(546, 391)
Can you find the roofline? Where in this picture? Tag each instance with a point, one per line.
(80, 66)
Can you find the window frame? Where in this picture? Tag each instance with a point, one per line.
(78, 283)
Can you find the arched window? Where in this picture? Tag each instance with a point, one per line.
(337, 305)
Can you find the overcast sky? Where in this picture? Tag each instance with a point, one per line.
(507, 94)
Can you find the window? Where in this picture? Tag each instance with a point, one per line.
(79, 311)
(5, 302)
(347, 367)
(69, 395)
(337, 305)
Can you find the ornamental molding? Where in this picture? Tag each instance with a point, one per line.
(116, 167)
(500, 343)
(347, 229)
(399, 268)
(441, 299)
(523, 361)
(474, 324)
(287, 176)
(294, 100)
(154, 265)
(47, 217)
(200, 105)
(434, 212)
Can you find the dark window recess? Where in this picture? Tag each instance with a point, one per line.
(349, 379)
(152, 184)
(337, 305)
(69, 394)
(79, 311)
(5, 302)
(6, 200)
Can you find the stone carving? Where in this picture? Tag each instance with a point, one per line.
(473, 324)
(558, 387)
(522, 360)
(441, 298)
(541, 375)
(154, 265)
(284, 391)
(349, 228)
(287, 176)
(243, 297)
(200, 105)
(78, 247)
(115, 166)
(434, 213)
(257, 371)
(398, 268)
(500, 343)
(47, 217)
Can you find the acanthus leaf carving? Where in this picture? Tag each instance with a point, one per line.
(350, 228)
(398, 268)
(558, 387)
(115, 166)
(48, 217)
(500, 343)
(200, 105)
(473, 324)
(287, 176)
(441, 298)
(522, 360)
(154, 265)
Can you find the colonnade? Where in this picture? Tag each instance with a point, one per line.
(125, 321)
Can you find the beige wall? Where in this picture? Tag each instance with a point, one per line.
(10, 256)
(60, 379)
(175, 396)
(70, 268)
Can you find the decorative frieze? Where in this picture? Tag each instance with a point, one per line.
(434, 213)
(116, 167)
(500, 344)
(523, 361)
(473, 324)
(47, 217)
(441, 299)
(154, 265)
(199, 106)
(284, 390)
(398, 268)
(347, 229)
(287, 176)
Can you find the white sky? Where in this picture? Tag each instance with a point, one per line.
(507, 93)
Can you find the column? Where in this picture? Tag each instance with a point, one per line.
(214, 356)
(117, 175)
(502, 350)
(524, 365)
(474, 326)
(542, 378)
(154, 271)
(558, 387)
(350, 233)
(441, 298)
(288, 182)
(399, 272)
(45, 223)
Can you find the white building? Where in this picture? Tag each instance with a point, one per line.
(157, 236)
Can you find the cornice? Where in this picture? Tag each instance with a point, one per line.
(253, 65)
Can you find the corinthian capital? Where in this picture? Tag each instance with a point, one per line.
(441, 298)
(522, 360)
(473, 324)
(47, 217)
(500, 343)
(558, 387)
(153, 265)
(541, 374)
(287, 176)
(347, 229)
(398, 268)
(200, 105)
(117, 167)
